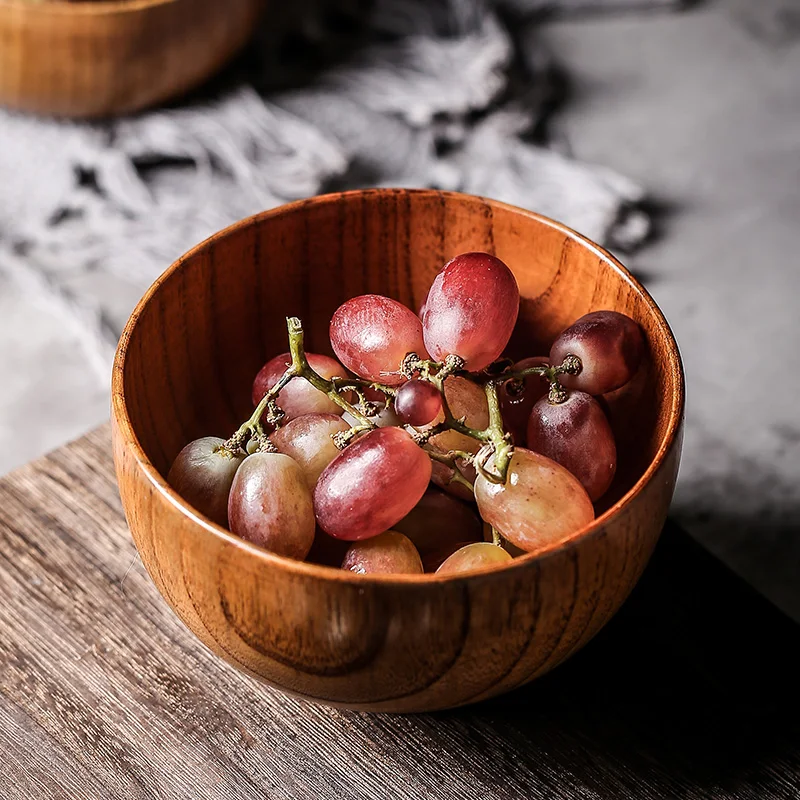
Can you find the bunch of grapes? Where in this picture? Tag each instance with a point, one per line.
(419, 448)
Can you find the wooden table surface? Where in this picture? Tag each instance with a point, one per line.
(691, 692)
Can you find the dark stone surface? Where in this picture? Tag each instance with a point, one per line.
(703, 108)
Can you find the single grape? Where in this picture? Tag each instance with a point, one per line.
(442, 476)
(517, 398)
(270, 505)
(539, 505)
(610, 346)
(308, 440)
(371, 335)
(298, 397)
(371, 485)
(418, 402)
(202, 474)
(474, 556)
(467, 401)
(434, 559)
(388, 553)
(576, 434)
(437, 522)
(471, 310)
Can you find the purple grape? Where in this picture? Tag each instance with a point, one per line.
(576, 434)
(202, 475)
(418, 402)
(610, 346)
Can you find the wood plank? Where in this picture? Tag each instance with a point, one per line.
(690, 692)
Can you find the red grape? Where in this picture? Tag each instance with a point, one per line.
(610, 347)
(371, 485)
(388, 552)
(434, 559)
(577, 435)
(474, 556)
(439, 522)
(418, 402)
(540, 504)
(371, 335)
(298, 397)
(308, 440)
(202, 475)
(471, 310)
(517, 398)
(270, 505)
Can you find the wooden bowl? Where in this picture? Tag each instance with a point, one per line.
(94, 59)
(385, 643)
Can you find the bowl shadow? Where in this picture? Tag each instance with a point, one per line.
(693, 685)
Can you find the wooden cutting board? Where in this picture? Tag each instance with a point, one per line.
(690, 692)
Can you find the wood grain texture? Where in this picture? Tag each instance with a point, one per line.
(185, 367)
(97, 59)
(690, 692)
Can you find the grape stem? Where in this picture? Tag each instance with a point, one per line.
(450, 456)
(501, 447)
(299, 368)
(570, 366)
(303, 369)
(451, 459)
(459, 477)
(450, 422)
(358, 385)
(496, 442)
(252, 427)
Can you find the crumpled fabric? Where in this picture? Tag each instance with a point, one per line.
(440, 93)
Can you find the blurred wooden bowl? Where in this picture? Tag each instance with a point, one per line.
(96, 59)
(391, 643)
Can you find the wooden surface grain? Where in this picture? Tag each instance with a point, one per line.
(691, 692)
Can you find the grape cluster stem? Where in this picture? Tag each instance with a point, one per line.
(496, 443)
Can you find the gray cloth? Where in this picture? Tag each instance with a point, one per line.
(451, 94)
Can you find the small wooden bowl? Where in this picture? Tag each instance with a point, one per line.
(384, 643)
(95, 59)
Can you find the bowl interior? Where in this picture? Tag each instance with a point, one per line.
(203, 330)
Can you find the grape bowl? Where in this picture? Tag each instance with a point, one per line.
(502, 599)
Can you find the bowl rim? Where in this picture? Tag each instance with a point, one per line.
(86, 8)
(321, 571)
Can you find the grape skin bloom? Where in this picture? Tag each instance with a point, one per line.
(610, 346)
(270, 505)
(540, 505)
(577, 435)
(202, 474)
(389, 553)
(371, 485)
(371, 335)
(471, 310)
